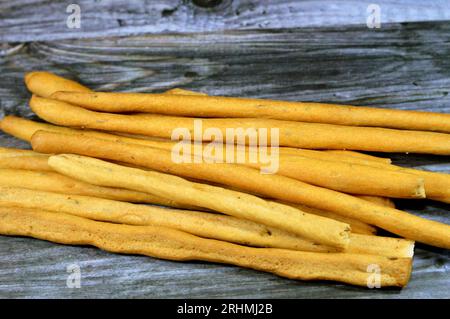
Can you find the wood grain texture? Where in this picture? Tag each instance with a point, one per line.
(400, 66)
(41, 20)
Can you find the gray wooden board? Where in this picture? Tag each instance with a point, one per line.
(400, 66)
(42, 20)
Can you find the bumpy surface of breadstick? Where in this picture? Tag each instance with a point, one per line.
(293, 134)
(360, 155)
(249, 179)
(383, 201)
(334, 174)
(357, 226)
(202, 224)
(50, 183)
(336, 152)
(24, 129)
(351, 178)
(54, 182)
(23, 159)
(46, 83)
(437, 185)
(166, 243)
(217, 106)
(346, 177)
(316, 228)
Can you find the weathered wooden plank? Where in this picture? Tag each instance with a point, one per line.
(37, 269)
(401, 66)
(40, 20)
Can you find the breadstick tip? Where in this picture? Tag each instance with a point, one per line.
(29, 75)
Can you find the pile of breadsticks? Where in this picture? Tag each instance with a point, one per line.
(101, 156)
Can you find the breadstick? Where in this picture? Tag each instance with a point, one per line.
(242, 205)
(24, 129)
(357, 226)
(351, 178)
(293, 134)
(166, 243)
(23, 159)
(226, 107)
(245, 178)
(437, 185)
(361, 155)
(45, 84)
(383, 201)
(202, 224)
(336, 152)
(337, 175)
(54, 182)
(38, 161)
(319, 229)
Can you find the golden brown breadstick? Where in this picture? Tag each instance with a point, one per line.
(51, 183)
(358, 227)
(217, 106)
(46, 83)
(245, 178)
(202, 224)
(23, 159)
(383, 201)
(24, 129)
(360, 155)
(238, 204)
(351, 178)
(437, 185)
(293, 134)
(54, 182)
(338, 175)
(319, 229)
(166, 243)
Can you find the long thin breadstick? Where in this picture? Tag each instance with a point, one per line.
(45, 84)
(166, 243)
(202, 224)
(338, 175)
(293, 134)
(337, 152)
(216, 106)
(357, 226)
(20, 176)
(54, 182)
(437, 185)
(383, 201)
(23, 159)
(24, 129)
(249, 179)
(319, 229)
(41, 82)
(351, 178)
